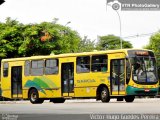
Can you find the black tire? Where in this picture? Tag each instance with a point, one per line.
(34, 97)
(129, 98)
(1, 98)
(104, 95)
(58, 100)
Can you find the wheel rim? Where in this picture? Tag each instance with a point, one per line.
(33, 96)
(103, 94)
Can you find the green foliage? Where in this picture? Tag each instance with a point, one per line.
(17, 40)
(10, 38)
(112, 42)
(86, 45)
(154, 44)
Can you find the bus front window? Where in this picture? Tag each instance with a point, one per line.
(144, 69)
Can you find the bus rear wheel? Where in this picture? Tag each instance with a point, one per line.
(129, 98)
(57, 100)
(104, 94)
(34, 97)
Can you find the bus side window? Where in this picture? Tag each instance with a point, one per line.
(83, 64)
(51, 66)
(5, 70)
(27, 68)
(37, 67)
(99, 63)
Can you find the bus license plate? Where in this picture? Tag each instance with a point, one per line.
(146, 90)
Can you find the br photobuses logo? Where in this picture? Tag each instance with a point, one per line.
(9, 117)
(134, 5)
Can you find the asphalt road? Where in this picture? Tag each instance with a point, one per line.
(77, 108)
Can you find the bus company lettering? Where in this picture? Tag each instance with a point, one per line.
(86, 81)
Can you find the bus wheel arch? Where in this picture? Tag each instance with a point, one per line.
(33, 96)
(102, 93)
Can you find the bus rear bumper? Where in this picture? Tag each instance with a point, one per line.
(141, 91)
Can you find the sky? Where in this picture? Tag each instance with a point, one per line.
(88, 17)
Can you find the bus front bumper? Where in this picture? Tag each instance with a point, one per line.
(141, 91)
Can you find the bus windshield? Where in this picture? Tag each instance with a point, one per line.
(144, 68)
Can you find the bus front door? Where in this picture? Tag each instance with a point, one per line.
(117, 77)
(67, 79)
(16, 82)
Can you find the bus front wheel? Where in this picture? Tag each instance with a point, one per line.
(34, 97)
(129, 98)
(105, 97)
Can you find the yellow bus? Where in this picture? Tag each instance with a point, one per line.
(121, 74)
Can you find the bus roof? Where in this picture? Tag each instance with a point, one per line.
(69, 55)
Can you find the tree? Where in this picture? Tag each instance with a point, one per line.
(10, 38)
(44, 38)
(154, 44)
(86, 45)
(112, 42)
(18, 40)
